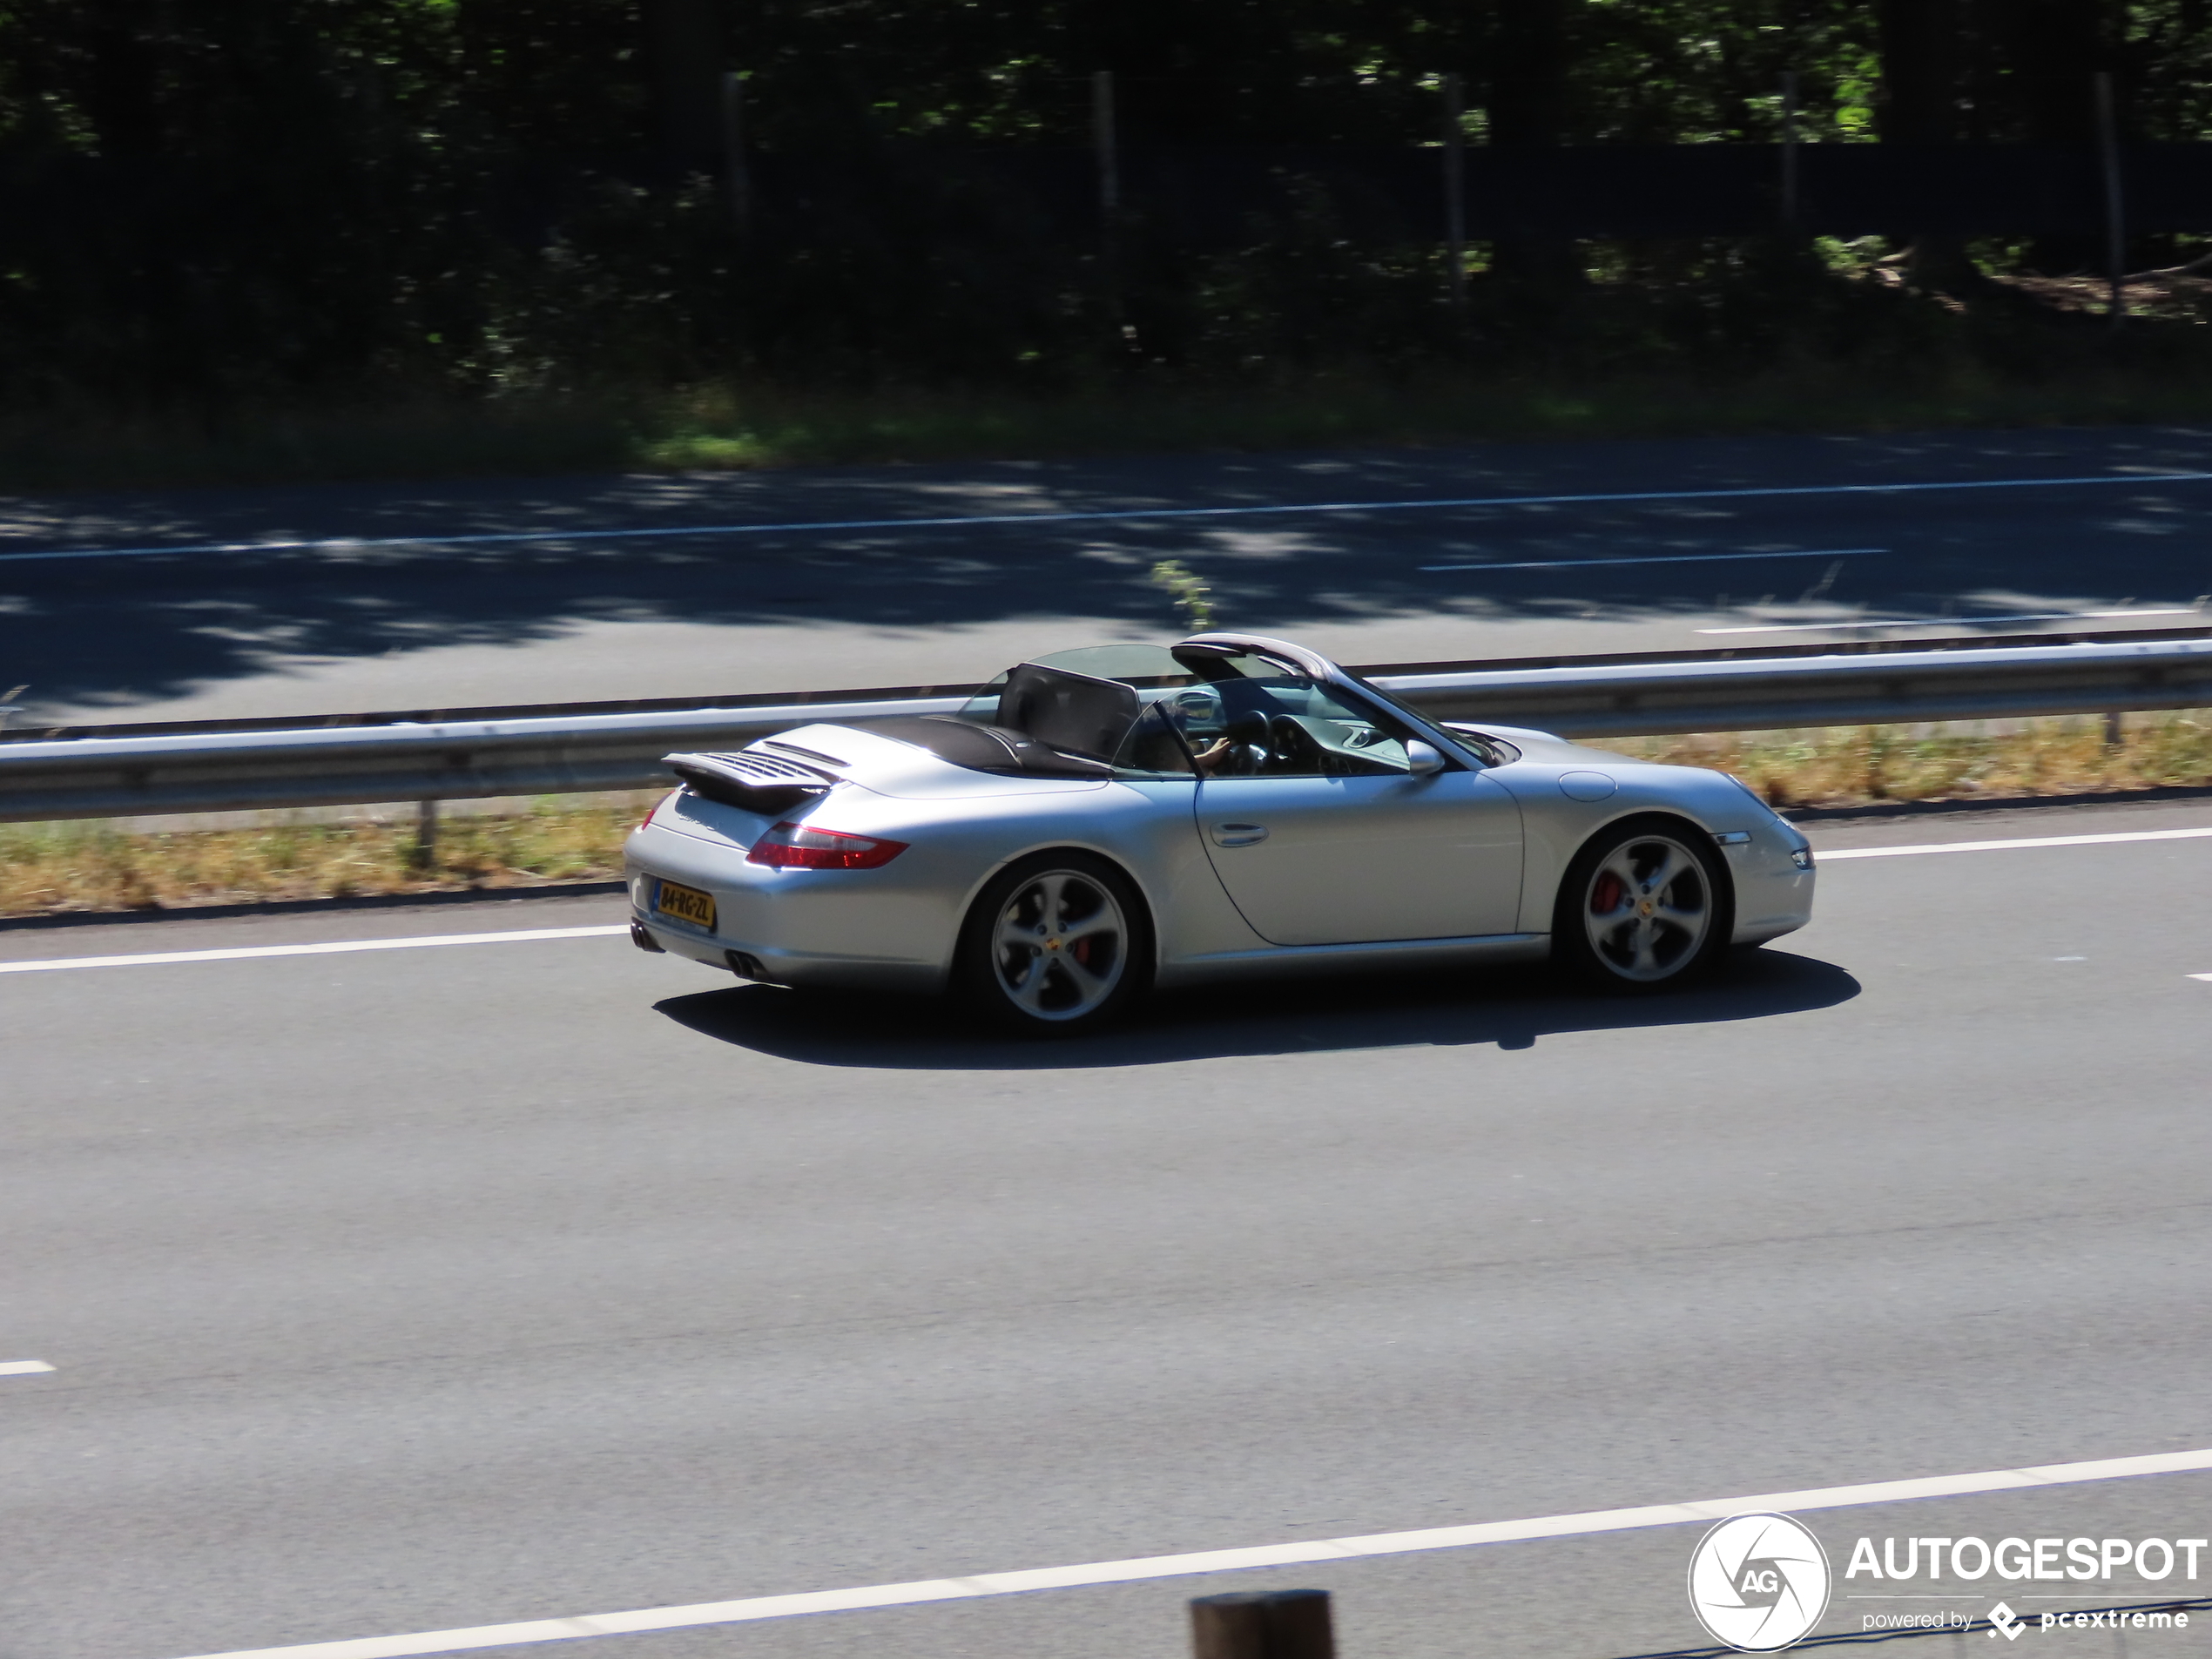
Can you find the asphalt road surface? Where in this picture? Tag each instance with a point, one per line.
(436, 1287)
(703, 584)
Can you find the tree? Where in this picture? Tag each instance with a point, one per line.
(1530, 64)
(1923, 53)
(2055, 48)
(685, 45)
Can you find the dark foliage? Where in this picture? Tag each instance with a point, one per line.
(210, 202)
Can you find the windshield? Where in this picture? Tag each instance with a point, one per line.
(1491, 752)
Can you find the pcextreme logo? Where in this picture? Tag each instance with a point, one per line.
(1759, 1583)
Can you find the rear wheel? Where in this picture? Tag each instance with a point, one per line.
(1645, 906)
(1056, 944)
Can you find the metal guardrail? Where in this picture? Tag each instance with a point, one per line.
(1746, 695)
(121, 775)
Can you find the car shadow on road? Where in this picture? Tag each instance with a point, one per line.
(1513, 1009)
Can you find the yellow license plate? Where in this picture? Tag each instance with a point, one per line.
(684, 904)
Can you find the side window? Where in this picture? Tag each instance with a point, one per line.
(1152, 748)
(1282, 727)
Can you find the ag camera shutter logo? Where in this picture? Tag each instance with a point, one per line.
(1759, 1583)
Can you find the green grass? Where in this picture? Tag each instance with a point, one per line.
(730, 427)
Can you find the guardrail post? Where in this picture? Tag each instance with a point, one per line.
(426, 834)
(1263, 1624)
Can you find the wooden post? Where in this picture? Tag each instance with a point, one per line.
(1455, 201)
(2115, 226)
(1263, 1624)
(1789, 150)
(426, 833)
(1104, 143)
(736, 182)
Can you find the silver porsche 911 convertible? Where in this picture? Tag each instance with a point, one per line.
(1100, 822)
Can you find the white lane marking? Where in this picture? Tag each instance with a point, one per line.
(1224, 1561)
(246, 952)
(1664, 558)
(1932, 622)
(355, 543)
(2203, 976)
(23, 1367)
(1822, 855)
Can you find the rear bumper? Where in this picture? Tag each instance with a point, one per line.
(862, 929)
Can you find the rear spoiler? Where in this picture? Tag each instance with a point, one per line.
(750, 782)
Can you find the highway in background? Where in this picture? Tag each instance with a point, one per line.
(431, 1287)
(569, 590)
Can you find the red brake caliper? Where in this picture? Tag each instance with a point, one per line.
(1606, 895)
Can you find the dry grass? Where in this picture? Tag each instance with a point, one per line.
(92, 866)
(1856, 765)
(49, 867)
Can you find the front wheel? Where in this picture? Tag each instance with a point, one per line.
(1058, 944)
(1644, 908)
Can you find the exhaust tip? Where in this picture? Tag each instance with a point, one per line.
(745, 965)
(644, 940)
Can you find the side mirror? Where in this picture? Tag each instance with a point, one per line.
(1422, 760)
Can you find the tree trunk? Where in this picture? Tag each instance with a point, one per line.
(684, 45)
(2056, 47)
(120, 91)
(1528, 110)
(1922, 49)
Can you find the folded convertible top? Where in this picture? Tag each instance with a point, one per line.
(984, 748)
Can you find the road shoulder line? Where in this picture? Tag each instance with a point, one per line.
(244, 953)
(1222, 1561)
(1827, 856)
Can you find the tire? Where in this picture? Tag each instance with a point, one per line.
(1646, 906)
(1058, 944)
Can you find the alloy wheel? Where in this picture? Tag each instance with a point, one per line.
(1060, 947)
(1647, 909)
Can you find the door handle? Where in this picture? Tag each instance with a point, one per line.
(1239, 834)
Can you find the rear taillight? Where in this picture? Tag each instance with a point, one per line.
(800, 847)
(657, 805)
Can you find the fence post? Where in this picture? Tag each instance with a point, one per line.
(426, 834)
(1263, 1624)
(1789, 150)
(2115, 228)
(1455, 205)
(735, 179)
